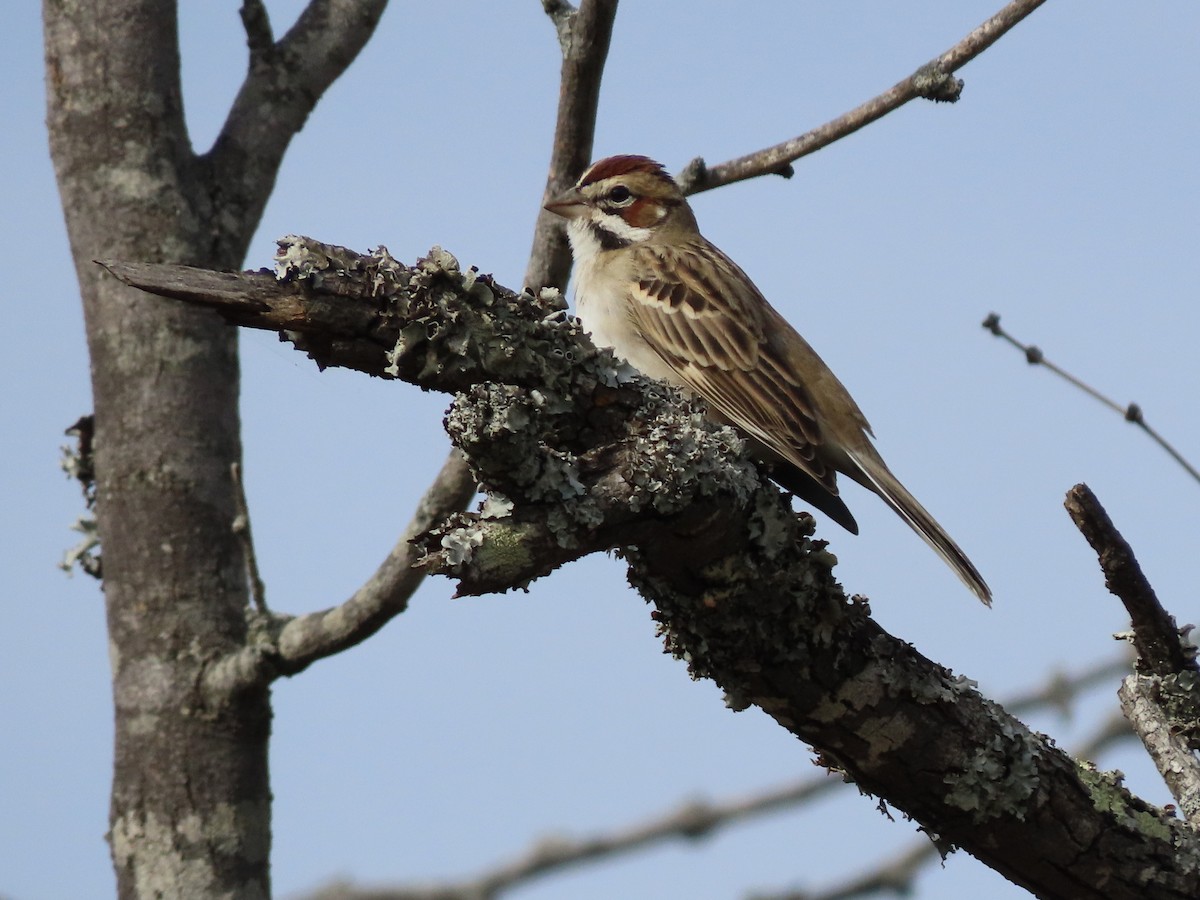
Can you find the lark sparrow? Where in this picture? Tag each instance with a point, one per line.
(678, 309)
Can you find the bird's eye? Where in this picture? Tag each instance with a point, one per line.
(620, 195)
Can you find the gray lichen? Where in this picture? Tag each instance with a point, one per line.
(999, 778)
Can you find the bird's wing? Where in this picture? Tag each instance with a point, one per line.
(722, 339)
(713, 328)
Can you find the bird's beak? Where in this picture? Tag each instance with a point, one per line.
(569, 204)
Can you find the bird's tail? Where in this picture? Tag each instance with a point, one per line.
(877, 477)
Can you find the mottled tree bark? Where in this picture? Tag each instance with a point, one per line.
(190, 813)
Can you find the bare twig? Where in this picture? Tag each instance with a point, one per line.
(1131, 413)
(288, 645)
(241, 527)
(692, 821)
(931, 81)
(1061, 689)
(584, 36)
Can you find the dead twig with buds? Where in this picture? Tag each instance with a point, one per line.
(1131, 413)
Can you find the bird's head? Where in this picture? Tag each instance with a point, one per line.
(624, 200)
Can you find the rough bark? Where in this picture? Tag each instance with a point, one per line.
(190, 813)
(578, 456)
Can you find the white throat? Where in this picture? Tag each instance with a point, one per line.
(603, 298)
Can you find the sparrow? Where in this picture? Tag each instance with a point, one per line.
(666, 300)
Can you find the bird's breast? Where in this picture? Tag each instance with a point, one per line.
(604, 308)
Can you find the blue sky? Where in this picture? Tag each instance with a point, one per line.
(1061, 192)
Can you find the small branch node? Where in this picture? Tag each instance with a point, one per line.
(932, 82)
(693, 176)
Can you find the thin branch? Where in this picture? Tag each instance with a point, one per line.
(692, 821)
(285, 645)
(241, 527)
(308, 638)
(931, 81)
(1131, 413)
(584, 36)
(1061, 689)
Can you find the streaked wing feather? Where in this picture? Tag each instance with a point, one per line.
(719, 348)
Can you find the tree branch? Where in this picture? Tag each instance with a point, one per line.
(1160, 647)
(931, 81)
(1162, 699)
(583, 36)
(285, 645)
(1164, 717)
(284, 82)
(241, 527)
(568, 447)
(311, 637)
(259, 37)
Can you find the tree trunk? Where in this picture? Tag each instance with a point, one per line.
(190, 812)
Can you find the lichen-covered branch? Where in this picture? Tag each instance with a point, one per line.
(896, 876)
(577, 454)
(932, 81)
(1163, 716)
